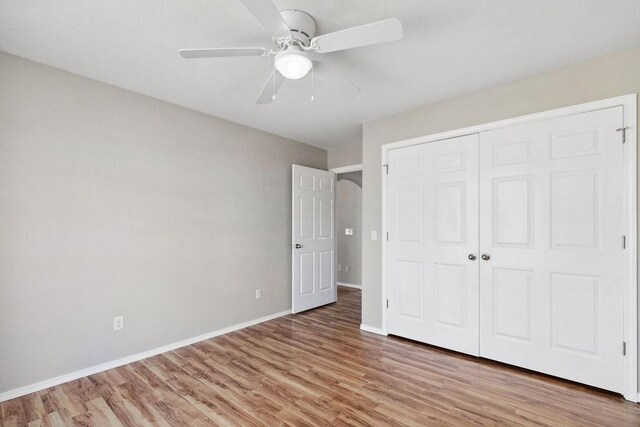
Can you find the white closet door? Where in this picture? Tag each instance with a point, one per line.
(551, 222)
(432, 220)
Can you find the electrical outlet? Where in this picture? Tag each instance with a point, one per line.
(258, 293)
(374, 235)
(346, 268)
(348, 231)
(339, 267)
(118, 323)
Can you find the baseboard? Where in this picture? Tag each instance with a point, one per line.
(373, 330)
(349, 285)
(21, 391)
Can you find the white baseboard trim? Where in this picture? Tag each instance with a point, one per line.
(21, 391)
(349, 285)
(373, 330)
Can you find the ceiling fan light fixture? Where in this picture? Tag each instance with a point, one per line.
(293, 63)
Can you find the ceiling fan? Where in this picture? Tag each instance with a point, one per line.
(294, 33)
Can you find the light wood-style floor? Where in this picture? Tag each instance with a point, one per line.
(317, 368)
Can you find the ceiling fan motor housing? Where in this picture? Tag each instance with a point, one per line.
(302, 25)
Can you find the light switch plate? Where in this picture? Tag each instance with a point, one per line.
(374, 235)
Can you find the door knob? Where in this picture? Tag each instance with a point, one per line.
(472, 257)
(486, 257)
(297, 246)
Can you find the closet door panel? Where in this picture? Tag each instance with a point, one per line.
(551, 226)
(432, 220)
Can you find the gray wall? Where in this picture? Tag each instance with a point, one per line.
(604, 77)
(115, 203)
(349, 215)
(345, 155)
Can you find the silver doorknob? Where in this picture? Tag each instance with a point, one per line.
(486, 257)
(472, 257)
(297, 246)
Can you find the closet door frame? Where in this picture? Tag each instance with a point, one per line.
(630, 217)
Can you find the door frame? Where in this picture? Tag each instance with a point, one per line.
(630, 216)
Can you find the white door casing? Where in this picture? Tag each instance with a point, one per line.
(551, 294)
(432, 193)
(313, 238)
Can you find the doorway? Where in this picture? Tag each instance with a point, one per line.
(325, 250)
(349, 226)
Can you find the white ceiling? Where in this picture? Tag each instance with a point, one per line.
(451, 47)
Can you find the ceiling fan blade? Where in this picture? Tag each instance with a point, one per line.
(223, 52)
(329, 76)
(270, 88)
(265, 12)
(365, 35)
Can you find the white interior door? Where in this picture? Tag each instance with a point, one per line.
(432, 220)
(551, 296)
(313, 238)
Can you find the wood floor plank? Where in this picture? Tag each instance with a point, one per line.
(13, 413)
(33, 407)
(317, 368)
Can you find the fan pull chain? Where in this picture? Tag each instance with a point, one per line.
(312, 84)
(273, 79)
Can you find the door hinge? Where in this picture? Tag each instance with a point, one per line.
(386, 167)
(624, 348)
(624, 133)
(387, 236)
(387, 303)
(624, 242)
